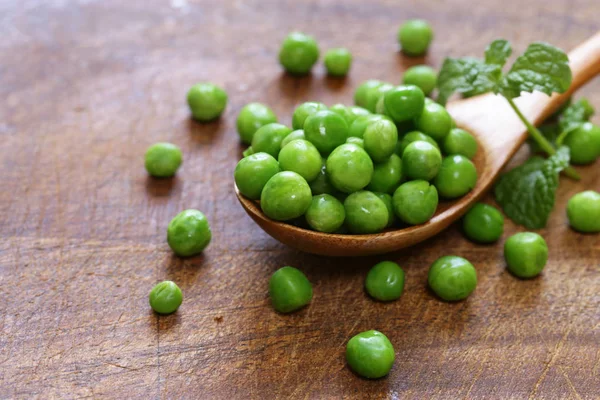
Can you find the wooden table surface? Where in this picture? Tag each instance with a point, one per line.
(86, 86)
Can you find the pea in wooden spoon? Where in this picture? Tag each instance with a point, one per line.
(500, 134)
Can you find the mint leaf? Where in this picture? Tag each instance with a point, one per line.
(543, 68)
(575, 114)
(550, 132)
(498, 52)
(465, 75)
(527, 193)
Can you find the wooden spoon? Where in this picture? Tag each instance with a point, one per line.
(500, 134)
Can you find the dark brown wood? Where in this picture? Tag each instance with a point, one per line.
(86, 86)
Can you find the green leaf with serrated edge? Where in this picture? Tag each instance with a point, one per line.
(498, 52)
(527, 193)
(543, 68)
(575, 114)
(464, 75)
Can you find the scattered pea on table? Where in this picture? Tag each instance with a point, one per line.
(385, 281)
(370, 354)
(338, 61)
(452, 278)
(165, 297)
(583, 211)
(206, 101)
(188, 233)
(414, 37)
(162, 160)
(289, 290)
(526, 254)
(298, 53)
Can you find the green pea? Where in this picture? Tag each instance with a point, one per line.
(365, 212)
(289, 290)
(415, 202)
(456, 178)
(358, 111)
(386, 175)
(370, 354)
(460, 142)
(404, 103)
(165, 297)
(357, 141)
(380, 107)
(326, 130)
(206, 101)
(583, 211)
(526, 254)
(360, 95)
(421, 160)
(304, 111)
(294, 135)
(253, 172)
(389, 204)
(483, 223)
(385, 281)
(373, 95)
(584, 143)
(338, 61)
(380, 139)
(343, 112)
(298, 53)
(248, 152)
(358, 127)
(349, 168)
(415, 36)
(321, 184)
(422, 76)
(188, 233)
(325, 214)
(268, 138)
(301, 156)
(162, 160)
(452, 278)
(413, 136)
(251, 117)
(285, 196)
(434, 121)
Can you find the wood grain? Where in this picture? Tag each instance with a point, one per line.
(88, 85)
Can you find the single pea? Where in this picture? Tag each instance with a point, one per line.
(188, 233)
(248, 152)
(385, 281)
(389, 204)
(285, 196)
(380, 107)
(358, 111)
(370, 354)
(338, 61)
(253, 172)
(349, 168)
(526, 254)
(421, 160)
(165, 297)
(456, 178)
(268, 138)
(386, 175)
(434, 121)
(298, 53)
(365, 212)
(289, 290)
(325, 214)
(360, 95)
(415, 202)
(404, 103)
(357, 141)
(326, 130)
(321, 184)
(483, 223)
(162, 160)
(422, 76)
(583, 211)
(251, 117)
(584, 143)
(380, 139)
(413, 136)
(304, 111)
(452, 278)
(373, 95)
(344, 112)
(357, 129)
(294, 135)
(302, 157)
(206, 101)
(414, 37)
(460, 142)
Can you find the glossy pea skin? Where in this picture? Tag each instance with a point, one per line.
(457, 176)
(358, 111)
(452, 278)
(294, 135)
(325, 213)
(162, 160)
(188, 233)
(583, 211)
(289, 290)
(365, 212)
(584, 143)
(326, 130)
(434, 121)
(338, 61)
(413, 136)
(422, 76)
(389, 203)
(251, 117)
(268, 138)
(343, 112)
(374, 95)
(321, 184)
(298, 53)
(421, 160)
(206, 101)
(358, 127)
(165, 297)
(285, 196)
(460, 142)
(526, 254)
(483, 223)
(302, 157)
(370, 354)
(415, 36)
(349, 168)
(386, 175)
(360, 95)
(404, 102)
(380, 139)
(357, 141)
(253, 172)
(385, 281)
(415, 202)
(304, 111)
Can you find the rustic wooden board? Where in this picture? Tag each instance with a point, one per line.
(86, 86)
